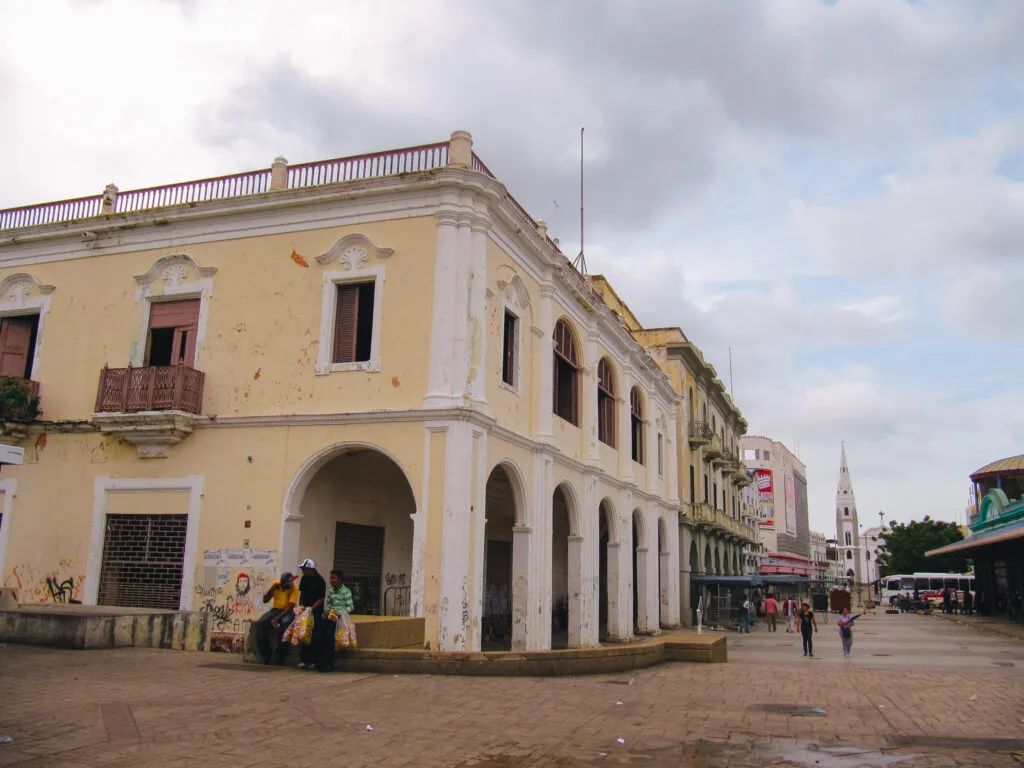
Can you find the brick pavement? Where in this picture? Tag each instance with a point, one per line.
(141, 707)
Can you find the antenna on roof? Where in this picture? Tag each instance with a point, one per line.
(581, 261)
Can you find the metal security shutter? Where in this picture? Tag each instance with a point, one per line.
(359, 554)
(142, 561)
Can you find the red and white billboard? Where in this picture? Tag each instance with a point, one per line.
(765, 498)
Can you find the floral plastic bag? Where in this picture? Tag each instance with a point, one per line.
(300, 630)
(345, 634)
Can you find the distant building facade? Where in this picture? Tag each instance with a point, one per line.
(780, 481)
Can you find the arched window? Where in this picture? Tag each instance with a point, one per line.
(849, 541)
(846, 511)
(636, 421)
(605, 403)
(566, 385)
(691, 405)
(849, 554)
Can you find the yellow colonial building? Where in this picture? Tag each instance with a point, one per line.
(380, 362)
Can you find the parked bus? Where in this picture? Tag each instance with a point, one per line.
(929, 586)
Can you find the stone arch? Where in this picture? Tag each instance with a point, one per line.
(352, 506)
(640, 555)
(609, 535)
(505, 563)
(709, 563)
(566, 567)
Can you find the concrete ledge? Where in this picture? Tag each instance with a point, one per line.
(997, 626)
(88, 627)
(684, 646)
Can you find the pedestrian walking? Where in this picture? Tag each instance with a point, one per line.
(968, 602)
(945, 600)
(744, 615)
(846, 630)
(790, 615)
(808, 625)
(771, 610)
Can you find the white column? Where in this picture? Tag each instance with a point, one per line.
(575, 566)
(672, 458)
(524, 597)
(455, 607)
(665, 579)
(625, 437)
(478, 521)
(625, 563)
(476, 382)
(647, 609)
(589, 448)
(616, 629)
(450, 306)
(539, 633)
(543, 366)
(590, 552)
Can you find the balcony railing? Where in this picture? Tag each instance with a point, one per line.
(153, 388)
(700, 433)
(703, 514)
(713, 452)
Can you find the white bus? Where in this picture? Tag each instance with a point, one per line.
(929, 585)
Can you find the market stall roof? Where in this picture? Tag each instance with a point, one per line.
(1014, 532)
(1013, 465)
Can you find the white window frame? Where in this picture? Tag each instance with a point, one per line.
(192, 484)
(146, 295)
(517, 367)
(328, 310)
(17, 304)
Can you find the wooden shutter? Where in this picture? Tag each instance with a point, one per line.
(174, 314)
(345, 322)
(15, 339)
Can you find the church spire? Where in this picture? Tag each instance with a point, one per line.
(844, 489)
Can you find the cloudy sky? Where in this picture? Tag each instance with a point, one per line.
(835, 190)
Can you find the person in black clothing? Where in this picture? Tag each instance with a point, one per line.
(312, 591)
(807, 624)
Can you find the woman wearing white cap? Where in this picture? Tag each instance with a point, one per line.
(312, 591)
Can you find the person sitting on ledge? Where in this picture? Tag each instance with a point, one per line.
(272, 624)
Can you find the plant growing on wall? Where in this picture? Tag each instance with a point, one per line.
(17, 401)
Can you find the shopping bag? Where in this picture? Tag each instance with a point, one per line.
(345, 634)
(301, 630)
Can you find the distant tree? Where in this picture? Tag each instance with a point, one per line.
(905, 545)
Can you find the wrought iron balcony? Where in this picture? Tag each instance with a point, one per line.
(700, 434)
(153, 388)
(152, 407)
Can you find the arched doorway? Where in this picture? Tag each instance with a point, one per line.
(608, 574)
(736, 564)
(565, 570)
(709, 564)
(664, 574)
(503, 620)
(356, 515)
(718, 562)
(641, 619)
(694, 588)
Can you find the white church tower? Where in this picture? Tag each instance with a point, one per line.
(851, 554)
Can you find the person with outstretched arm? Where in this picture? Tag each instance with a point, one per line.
(846, 630)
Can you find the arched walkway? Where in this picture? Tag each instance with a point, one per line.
(718, 562)
(709, 564)
(503, 623)
(608, 574)
(566, 545)
(351, 508)
(664, 574)
(641, 619)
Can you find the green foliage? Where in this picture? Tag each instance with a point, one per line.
(905, 545)
(17, 403)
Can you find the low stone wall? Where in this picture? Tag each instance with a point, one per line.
(79, 628)
(374, 632)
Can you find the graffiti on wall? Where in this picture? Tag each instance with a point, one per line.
(232, 588)
(60, 585)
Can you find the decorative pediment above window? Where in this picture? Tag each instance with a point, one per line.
(515, 292)
(352, 252)
(22, 287)
(175, 270)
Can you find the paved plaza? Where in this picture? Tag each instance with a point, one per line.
(918, 691)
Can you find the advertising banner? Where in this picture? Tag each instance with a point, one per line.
(790, 505)
(765, 498)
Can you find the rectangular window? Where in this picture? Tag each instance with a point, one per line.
(714, 487)
(749, 455)
(705, 489)
(565, 391)
(18, 345)
(693, 486)
(353, 323)
(510, 347)
(661, 454)
(172, 332)
(766, 455)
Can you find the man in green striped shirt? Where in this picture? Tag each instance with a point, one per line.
(337, 601)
